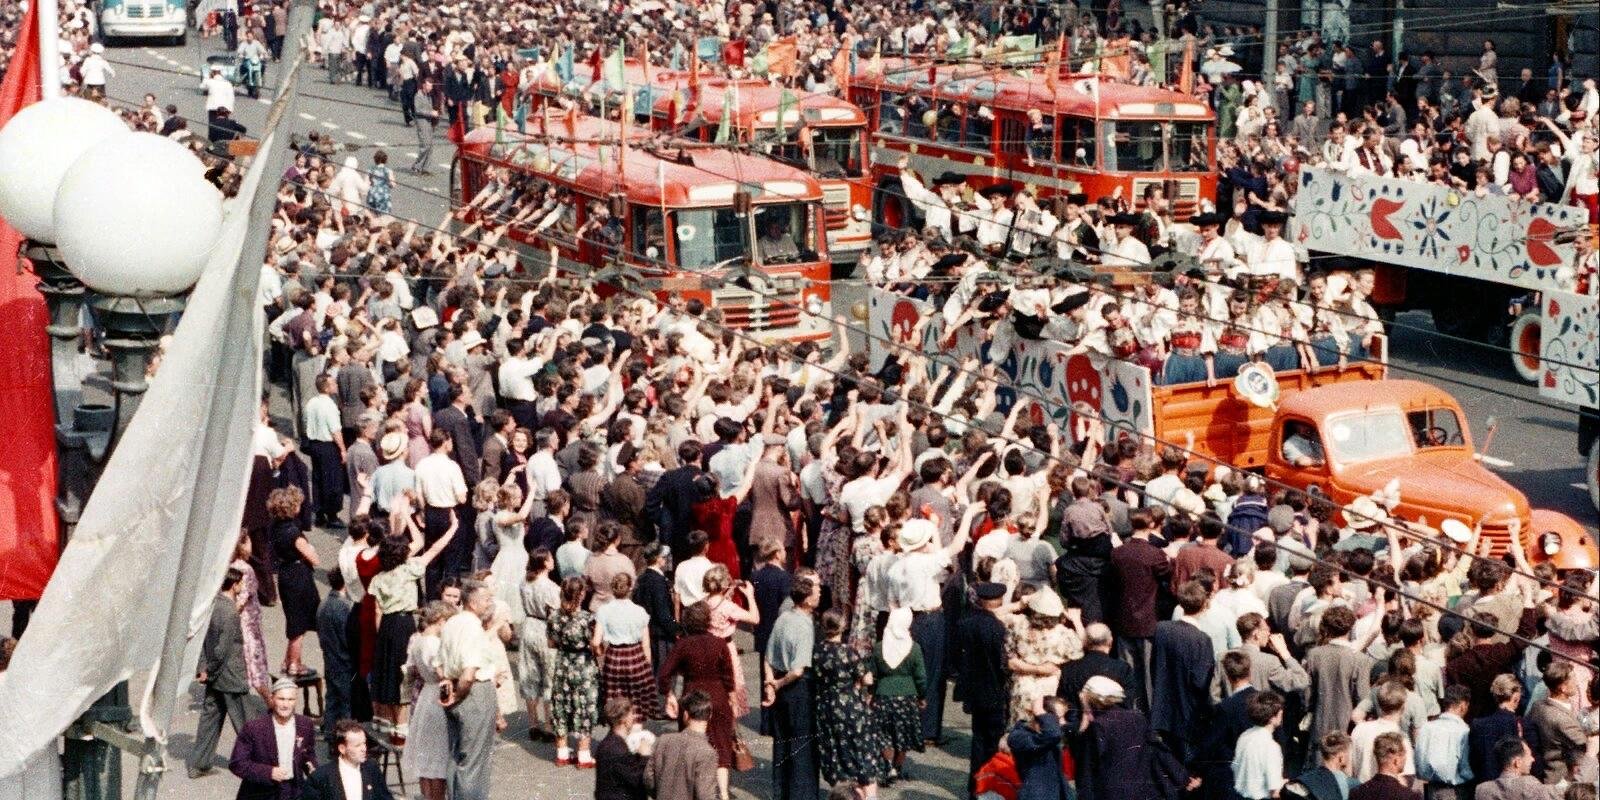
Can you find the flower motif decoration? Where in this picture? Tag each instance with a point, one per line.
(1430, 222)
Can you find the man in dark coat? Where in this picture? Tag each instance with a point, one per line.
(670, 503)
(1096, 660)
(1181, 670)
(984, 676)
(222, 673)
(1228, 721)
(1036, 746)
(349, 769)
(256, 761)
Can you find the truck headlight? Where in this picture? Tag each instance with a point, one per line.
(1550, 543)
(814, 305)
(858, 212)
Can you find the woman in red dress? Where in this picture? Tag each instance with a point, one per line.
(703, 661)
(714, 515)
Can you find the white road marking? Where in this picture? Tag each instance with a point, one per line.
(411, 155)
(380, 144)
(1496, 462)
(307, 117)
(330, 125)
(264, 101)
(1580, 485)
(356, 134)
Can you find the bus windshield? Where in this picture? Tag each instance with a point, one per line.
(708, 236)
(781, 233)
(1133, 146)
(1188, 152)
(837, 151)
(1369, 436)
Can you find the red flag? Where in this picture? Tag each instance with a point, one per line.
(572, 124)
(1186, 70)
(595, 60)
(733, 53)
(841, 65)
(29, 540)
(458, 126)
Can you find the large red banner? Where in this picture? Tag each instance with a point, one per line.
(29, 543)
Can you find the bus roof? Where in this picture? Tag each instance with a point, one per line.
(1094, 96)
(758, 100)
(687, 178)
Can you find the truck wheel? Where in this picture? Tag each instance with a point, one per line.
(1594, 473)
(181, 39)
(1524, 345)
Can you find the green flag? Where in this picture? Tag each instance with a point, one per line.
(614, 71)
(725, 127)
(758, 65)
(786, 102)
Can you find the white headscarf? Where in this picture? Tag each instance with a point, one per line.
(897, 637)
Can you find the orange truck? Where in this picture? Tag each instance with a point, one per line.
(1347, 434)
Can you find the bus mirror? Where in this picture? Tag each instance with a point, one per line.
(619, 205)
(742, 202)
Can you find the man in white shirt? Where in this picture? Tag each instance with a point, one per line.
(355, 777)
(1391, 703)
(95, 70)
(219, 93)
(516, 381)
(544, 476)
(1275, 257)
(468, 677)
(441, 488)
(688, 578)
(325, 444)
(1128, 252)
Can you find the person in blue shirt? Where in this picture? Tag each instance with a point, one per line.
(1441, 747)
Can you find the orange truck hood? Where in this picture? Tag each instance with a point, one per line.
(1438, 485)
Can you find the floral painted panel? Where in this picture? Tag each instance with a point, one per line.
(1569, 346)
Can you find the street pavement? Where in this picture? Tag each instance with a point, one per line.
(1534, 446)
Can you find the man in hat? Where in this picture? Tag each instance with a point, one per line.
(274, 753)
(1274, 258)
(1214, 249)
(993, 217)
(393, 476)
(1128, 252)
(95, 70)
(980, 649)
(939, 205)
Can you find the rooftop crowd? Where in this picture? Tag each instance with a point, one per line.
(621, 518)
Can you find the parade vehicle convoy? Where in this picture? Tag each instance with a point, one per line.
(820, 133)
(1070, 134)
(669, 221)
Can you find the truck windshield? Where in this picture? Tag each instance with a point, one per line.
(837, 151)
(1369, 436)
(707, 236)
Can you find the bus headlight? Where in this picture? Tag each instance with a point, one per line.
(858, 212)
(814, 305)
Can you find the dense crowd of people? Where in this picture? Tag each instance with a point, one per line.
(621, 517)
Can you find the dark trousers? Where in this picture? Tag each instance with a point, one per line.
(408, 100)
(794, 747)
(265, 565)
(988, 725)
(337, 704)
(327, 479)
(1136, 651)
(363, 75)
(380, 72)
(275, 46)
(928, 631)
(213, 708)
(435, 521)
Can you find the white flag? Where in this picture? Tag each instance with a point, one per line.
(133, 589)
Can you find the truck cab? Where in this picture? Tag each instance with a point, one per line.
(1346, 440)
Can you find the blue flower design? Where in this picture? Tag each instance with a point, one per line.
(1430, 221)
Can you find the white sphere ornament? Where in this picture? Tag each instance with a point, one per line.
(36, 148)
(135, 216)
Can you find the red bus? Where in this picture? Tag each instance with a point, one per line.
(823, 134)
(1092, 134)
(752, 246)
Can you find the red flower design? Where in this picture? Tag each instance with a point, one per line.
(1463, 252)
(1382, 207)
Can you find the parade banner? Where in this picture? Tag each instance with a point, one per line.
(1569, 348)
(1490, 237)
(1038, 369)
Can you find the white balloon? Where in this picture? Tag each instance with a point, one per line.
(36, 148)
(136, 216)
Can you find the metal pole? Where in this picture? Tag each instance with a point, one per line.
(1269, 47)
(49, 49)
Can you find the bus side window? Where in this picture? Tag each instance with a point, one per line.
(917, 108)
(1077, 141)
(649, 235)
(1012, 134)
(891, 113)
(980, 127)
(949, 124)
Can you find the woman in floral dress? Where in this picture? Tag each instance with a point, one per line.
(899, 680)
(833, 535)
(382, 183)
(849, 747)
(575, 681)
(1037, 645)
(257, 673)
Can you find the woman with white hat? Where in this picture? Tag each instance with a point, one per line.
(1037, 644)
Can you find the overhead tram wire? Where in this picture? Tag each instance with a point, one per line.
(1043, 401)
(1389, 586)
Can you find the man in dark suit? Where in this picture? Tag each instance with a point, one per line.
(984, 675)
(1485, 732)
(683, 765)
(1229, 720)
(1181, 670)
(1097, 660)
(670, 503)
(496, 461)
(351, 776)
(222, 672)
(653, 593)
(454, 420)
(266, 771)
(1554, 732)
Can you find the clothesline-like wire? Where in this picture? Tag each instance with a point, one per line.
(1046, 402)
(1393, 586)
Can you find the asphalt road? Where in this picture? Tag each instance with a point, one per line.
(1534, 446)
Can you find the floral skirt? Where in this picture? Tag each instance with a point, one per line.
(899, 722)
(574, 684)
